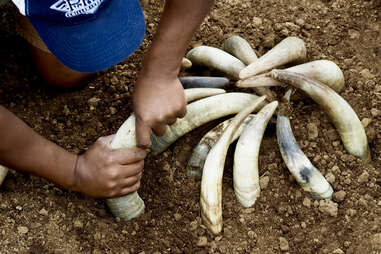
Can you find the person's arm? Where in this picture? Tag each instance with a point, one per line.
(99, 172)
(159, 96)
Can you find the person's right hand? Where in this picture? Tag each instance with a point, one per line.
(104, 172)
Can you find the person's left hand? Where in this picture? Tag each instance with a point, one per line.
(158, 102)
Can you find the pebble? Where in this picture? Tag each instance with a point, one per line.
(300, 22)
(269, 41)
(22, 230)
(365, 122)
(78, 224)
(313, 132)
(43, 212)
(338, 251)
(177, 216)
(264, 182)
(303, 224)
(283, 244)
(375, 112)
(202, 241)
(112, 110)
(252, 234)
(307, 202)
(339, 196)
(364, 177)
(330, 178)
(366, 74)
(257, 22)
(193, 225)
(328, 207)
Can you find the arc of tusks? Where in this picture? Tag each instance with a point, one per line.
(340, 112)
(288, 50)
(200, 152)
(245, 169)
(198, 113)
(211, 183)
(308, 177)
(324, 71)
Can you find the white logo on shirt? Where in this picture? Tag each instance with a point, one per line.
(74, 8)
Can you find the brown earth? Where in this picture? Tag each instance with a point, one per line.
(39, 217)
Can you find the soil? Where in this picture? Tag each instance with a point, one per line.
(39, 217)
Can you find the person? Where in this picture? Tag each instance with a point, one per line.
(76, 38)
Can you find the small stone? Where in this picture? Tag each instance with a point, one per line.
(252, 234)
(193, 225)
(347, 244)
(329, 207)
(338, 251)
(330, 178)
(22, 230)
(365, 122)
(177, 216)
(303, 224)
(283, 244)
(43, 212)
(257, 22)
(364, 177)
(19, 208)
(112, 110)
(375, 112)
(93, 101)
(78, 224)
(366, 74)
(292, 26)
(300, 22)
(339, 196)
(264, 182)
(307, 202)
(313, 132)
(202, 241)
(269, 41)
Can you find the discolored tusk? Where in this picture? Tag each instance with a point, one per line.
(198, 113)
(185, 64)
(340, 112)
(193, 94)
(211, 183)
(206, 82)
(197, 160)
(289, 50)
(3, 173)
(245, 170)
(240, 48)
(308, 177)
(324, 71)
(217, 59)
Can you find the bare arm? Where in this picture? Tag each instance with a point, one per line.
(100, 172)
(159, 97)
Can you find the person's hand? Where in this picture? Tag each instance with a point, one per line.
(104, 173)
(158, 102)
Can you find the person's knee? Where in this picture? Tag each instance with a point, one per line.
(55, 73)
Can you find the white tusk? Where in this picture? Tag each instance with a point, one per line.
(240, 48)
(211, 183)
(289, 50)
(197, 160)
(245, 170)
(217, 59)
(324, 71)
(185, 64)
(193, 94)
(198, 113)
(309, 178)
(340, 112)
(3, 173)
(198, 82)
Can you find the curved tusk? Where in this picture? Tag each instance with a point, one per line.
(193, 94)
(324, 71)
(198, 82)
(3, 173)
(245, 170)
(198, 113)
(289, 50)
(215, 58)
(185, 64)
(211, 183)
(340, 112)
(309, 178)
(197, 160)
(240, 48)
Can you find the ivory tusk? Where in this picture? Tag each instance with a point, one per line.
(193, 94)
(3, 173)
(215, 58)
(211, 183)
(324, 71)
(198, 82)
(340, 112)
(198, 113)
(309, 178)
(240, 48)
(197, 160)
(289, 50)
(185, 64)
(245, 170)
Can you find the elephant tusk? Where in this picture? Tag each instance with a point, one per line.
(240, 48)
(197, 82)
(193, 94)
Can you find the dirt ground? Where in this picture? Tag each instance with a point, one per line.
(39, 217)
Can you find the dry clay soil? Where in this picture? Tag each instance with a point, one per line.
(39, 217)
